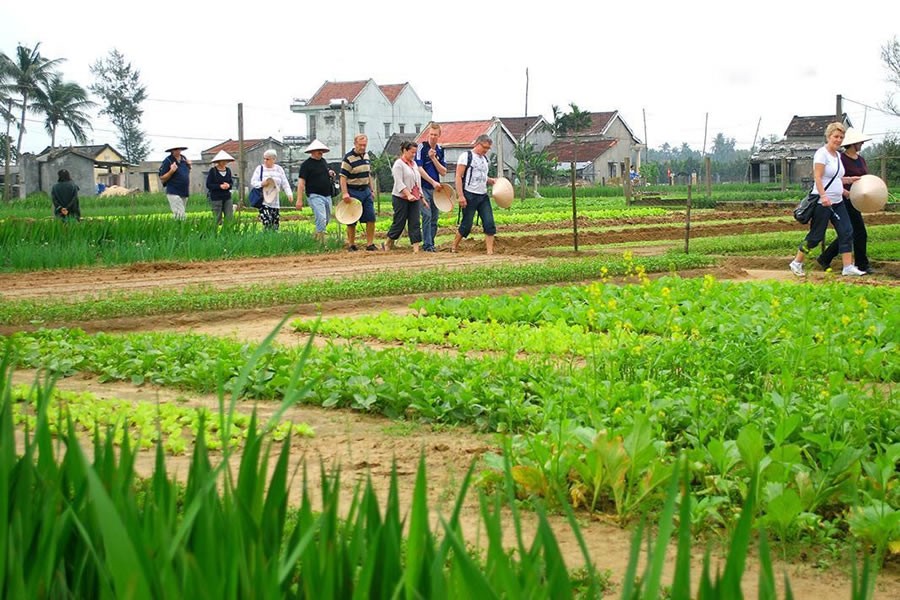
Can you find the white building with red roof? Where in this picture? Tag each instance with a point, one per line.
(375, 110)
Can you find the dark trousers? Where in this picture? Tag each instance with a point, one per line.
(406, 214)
(860, 238)
(836, 214)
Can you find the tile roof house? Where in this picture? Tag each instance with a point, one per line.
(600, 150)
(793, 154)
(375, 110)
(88, 166)
(459, 136)
(534, 130)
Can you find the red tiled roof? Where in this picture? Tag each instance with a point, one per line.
(566, 150)
(232, 147)
(392, 90)
(599, 123)
(459, 134)
(518, 126)
(337, 89)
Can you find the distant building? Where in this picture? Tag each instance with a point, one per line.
(793, 154)
(533, 130)
(88, 166)
(378, 111)
(600, 150)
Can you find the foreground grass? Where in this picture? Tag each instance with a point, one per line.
(136, 304)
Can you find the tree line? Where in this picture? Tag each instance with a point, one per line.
(31, 83)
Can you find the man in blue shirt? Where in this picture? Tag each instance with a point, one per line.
(430, 158)
(175, 173)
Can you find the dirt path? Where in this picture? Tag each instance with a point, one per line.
(139, 277)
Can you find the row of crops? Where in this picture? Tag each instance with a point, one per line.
(599, 388)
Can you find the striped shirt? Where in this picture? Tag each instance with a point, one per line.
(356, 169)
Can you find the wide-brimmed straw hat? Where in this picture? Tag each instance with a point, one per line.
(316, 145)
(176, 148)
(854, 137)
(445, 198)
(222, 155)
(503, 192)
(348, 213)
(868, 194)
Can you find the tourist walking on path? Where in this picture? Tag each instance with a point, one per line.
(406, 197)
(219, 182)
(356, 183)
(471, 184)
(430, 159)
(831, 208)
(272, 179)
(316, 181)
(854, 167)
(175, 173)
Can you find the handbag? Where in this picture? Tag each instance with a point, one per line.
(807, 207)
(256, 194)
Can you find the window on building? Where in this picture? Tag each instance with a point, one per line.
(312, 127)
(362, 126)
(612, 169)
(387, 130)
(418, 127)
(329, 120)
(402, 128)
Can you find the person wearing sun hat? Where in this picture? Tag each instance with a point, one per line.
(175, 173)
(219, 182)
(854, 168)
(317, 181)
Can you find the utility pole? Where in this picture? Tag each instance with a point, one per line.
(524, 137)
(8, 157)
(241, 160)
(646, 143)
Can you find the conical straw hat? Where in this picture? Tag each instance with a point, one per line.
(348, 213)
(445, 198)
(502, 192)
(222, 155)
(868, 194)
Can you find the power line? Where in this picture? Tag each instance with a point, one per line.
(875, 108)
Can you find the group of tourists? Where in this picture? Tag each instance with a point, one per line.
(417, 175)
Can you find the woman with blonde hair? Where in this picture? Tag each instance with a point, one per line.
(827, 167)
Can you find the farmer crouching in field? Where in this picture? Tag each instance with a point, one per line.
(175, 173)
(472, 178)
(65, 198)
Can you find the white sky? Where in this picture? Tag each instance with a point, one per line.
(678, 61)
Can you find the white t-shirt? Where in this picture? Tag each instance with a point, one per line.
(833, 164)
(475, 179)
(281, 182)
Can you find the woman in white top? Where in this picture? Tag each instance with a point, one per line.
(406, 197)
(271, 178)
(827, 171)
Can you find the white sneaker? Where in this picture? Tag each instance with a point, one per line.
(852, 271)
(797, 268)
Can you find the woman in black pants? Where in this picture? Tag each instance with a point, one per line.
(406, 197)
(854, 168)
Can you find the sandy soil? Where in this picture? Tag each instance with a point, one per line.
(365, 445)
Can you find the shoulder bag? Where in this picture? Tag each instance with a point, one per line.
(256, 194)
(804, 211)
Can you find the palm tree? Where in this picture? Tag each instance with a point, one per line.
(63, 103)
(28, 73)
